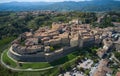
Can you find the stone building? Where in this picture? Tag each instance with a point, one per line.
(107, 47)
(117, 44)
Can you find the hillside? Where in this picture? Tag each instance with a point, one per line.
(95, 5)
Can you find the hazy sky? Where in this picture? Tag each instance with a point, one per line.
(2, 1)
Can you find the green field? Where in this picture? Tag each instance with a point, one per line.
(7, 60)
(35, 65)
(65, 63)
(38, 65)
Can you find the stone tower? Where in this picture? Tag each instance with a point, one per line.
(80, 40)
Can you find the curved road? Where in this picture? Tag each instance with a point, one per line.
(18, 69)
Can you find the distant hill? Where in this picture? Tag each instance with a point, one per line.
(95, 5)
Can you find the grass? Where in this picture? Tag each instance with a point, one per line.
(5, 41)
(66, 62)
(66, 58)
(38, 65)
(50, 72)
(69, 59)
(7, 60)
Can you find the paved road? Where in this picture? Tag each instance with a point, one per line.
(18, 69)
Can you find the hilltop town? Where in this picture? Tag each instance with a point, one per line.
(60, 38)
(61, 43)
(51, 43)
(55, 42)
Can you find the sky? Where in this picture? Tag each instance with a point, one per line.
(3, 1)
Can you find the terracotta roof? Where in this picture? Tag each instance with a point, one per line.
(118, 74)
(102, 68)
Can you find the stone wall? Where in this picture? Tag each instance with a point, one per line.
(28, 58)
(65, 52)
(41, 57)
(88, 43)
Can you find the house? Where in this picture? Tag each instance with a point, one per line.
(102, 68)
